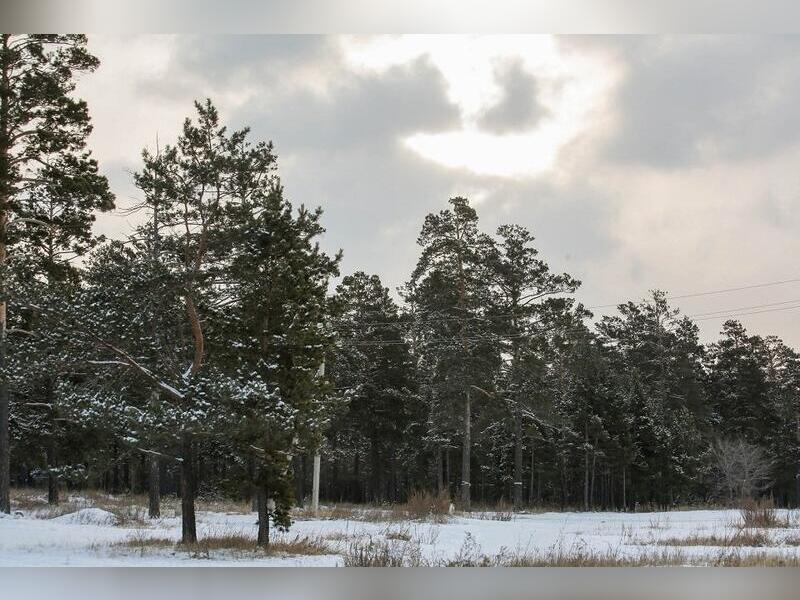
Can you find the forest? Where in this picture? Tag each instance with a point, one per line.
(215, 349)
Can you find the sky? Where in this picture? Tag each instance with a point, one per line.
(638, 162)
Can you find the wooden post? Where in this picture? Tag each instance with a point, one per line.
(315, 484)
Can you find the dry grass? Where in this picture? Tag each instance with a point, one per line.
(376, 552)
(233, 544)
(352, 512)
(421, 506)
(128, 509)
(381, 553)
(425, 506)
(741, 538)
(762, 514)
(341, 536)
(792, 539)
(750, 559)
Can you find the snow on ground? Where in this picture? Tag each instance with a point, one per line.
(89, 537)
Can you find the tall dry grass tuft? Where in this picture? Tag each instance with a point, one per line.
(424, 505)
(762, 514)
(741, 538)
(376, 552)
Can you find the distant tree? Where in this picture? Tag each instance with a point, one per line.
(658, 366)
(742, 469)
(738, 385)
(370, 365)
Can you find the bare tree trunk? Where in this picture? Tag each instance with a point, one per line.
(624, 492)
(594, 470)
(438, 467)
(300, 479)
(533, 471)
(52, 477)
(376, 481)
(154, 488)
(5, 191)
(263, 495)
(263, 516)
(447, 478)
(517, 459)
(188, 490)
(586, 473)
(465, 454)
(797, 467)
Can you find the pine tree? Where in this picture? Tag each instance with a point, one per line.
(271, 310)
(449, 292)
(371, 367)
(659, 363)
(47, 177)
(526, 297)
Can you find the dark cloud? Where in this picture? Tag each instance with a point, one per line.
(694, 99)
(372, 109)
(518, 110)
(226, 61)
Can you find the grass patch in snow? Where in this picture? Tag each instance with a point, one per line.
(421, 506)
(741, 538)
(763, 514)
(232, 544)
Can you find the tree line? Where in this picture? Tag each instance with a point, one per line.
(206, 353)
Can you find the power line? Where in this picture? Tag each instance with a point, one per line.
(712, 292)
(731, 310)
(755, 312)
(727, 314)
(489, 317)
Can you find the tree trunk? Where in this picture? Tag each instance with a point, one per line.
(447, 478)
(594, 470)
(300, 479)
(5, 191)
(376, 479)
(52, 477)
(465, 455)
(263, 496)
(439, 467)
(263, 516)
(797, 467)
(533, 472)
(624, 492)
(188, 490)
(115, 469)
(517, 459)
(154, 485)
(586, 473)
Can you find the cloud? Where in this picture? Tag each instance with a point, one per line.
(519, 108)
(673, 165)
(700, 99)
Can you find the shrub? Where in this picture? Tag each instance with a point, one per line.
(761, 513)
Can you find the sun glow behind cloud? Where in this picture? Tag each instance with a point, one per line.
(572, 89)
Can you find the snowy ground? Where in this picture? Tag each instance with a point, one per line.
(90, 537)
